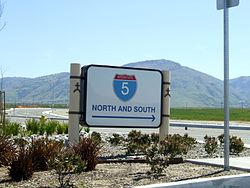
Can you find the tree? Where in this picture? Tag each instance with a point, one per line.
(1, 13)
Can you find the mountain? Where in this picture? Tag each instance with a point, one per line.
(242, 86)
(46, 89)
(189, 88)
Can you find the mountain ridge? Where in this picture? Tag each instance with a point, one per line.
(189, 87)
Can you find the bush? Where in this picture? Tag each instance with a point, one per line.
(42, 128)
(65, 164)
(137, 142)
(44, 150)
(42, 125)
(88, 151)
(96, 137)
(211, 145)
(33, 126)
(178, 145)
(7, 150)
(156, 158)
(85, 129)
(66, 128)
(116, 139)
(154, 138)
(51, 127)
(221, 139)
(12, 129)
(21, 167)
(236, 145)
(60, 129)
(189, 141)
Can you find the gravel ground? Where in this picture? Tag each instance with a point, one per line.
(125, 175)
(118, 175)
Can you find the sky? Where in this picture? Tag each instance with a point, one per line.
(43, 37)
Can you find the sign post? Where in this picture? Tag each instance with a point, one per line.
(74, 103)
(164, 128)
(225, 4)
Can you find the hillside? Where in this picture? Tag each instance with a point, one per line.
(242, 87)
(189, 88)
(46, 89)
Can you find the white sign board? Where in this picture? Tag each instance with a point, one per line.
(122, 97)
(230, 3)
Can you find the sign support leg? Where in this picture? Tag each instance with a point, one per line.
(226, 88)
(74, 103)
(164, 128)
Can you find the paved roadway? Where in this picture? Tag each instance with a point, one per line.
(22, 114)
(197, 133)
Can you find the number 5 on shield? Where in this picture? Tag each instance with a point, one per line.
(125, 89)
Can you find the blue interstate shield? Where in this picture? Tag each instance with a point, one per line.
(124, 86)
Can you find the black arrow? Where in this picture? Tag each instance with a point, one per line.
(152, 117)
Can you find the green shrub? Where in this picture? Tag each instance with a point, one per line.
(66, 128)
(96, 137)
(42, 119)
(221, 139)
(7, 150)
(236, 145)
(12, 128)
(51, 127)
(65, 164)
(85, 129)
(211, 145)
(176, 144)
(137, 142)
(60, 129)
(21, 167)
(189, 141)
(42, 128)
(44, 150)
(3, 126)
(33, 126)
(116, 139)
(42, 125)
(156, 158)
(88, 150)
(154, 138)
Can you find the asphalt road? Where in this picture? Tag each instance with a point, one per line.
(197, 133)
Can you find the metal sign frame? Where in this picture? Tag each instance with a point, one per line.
(84, 97)
(230, 3)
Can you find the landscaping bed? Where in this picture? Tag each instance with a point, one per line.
(106, 160)
(118, 175)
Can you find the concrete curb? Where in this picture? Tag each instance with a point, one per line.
(240, 163)
(233, 181)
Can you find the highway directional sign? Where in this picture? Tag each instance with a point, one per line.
(122, 97)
